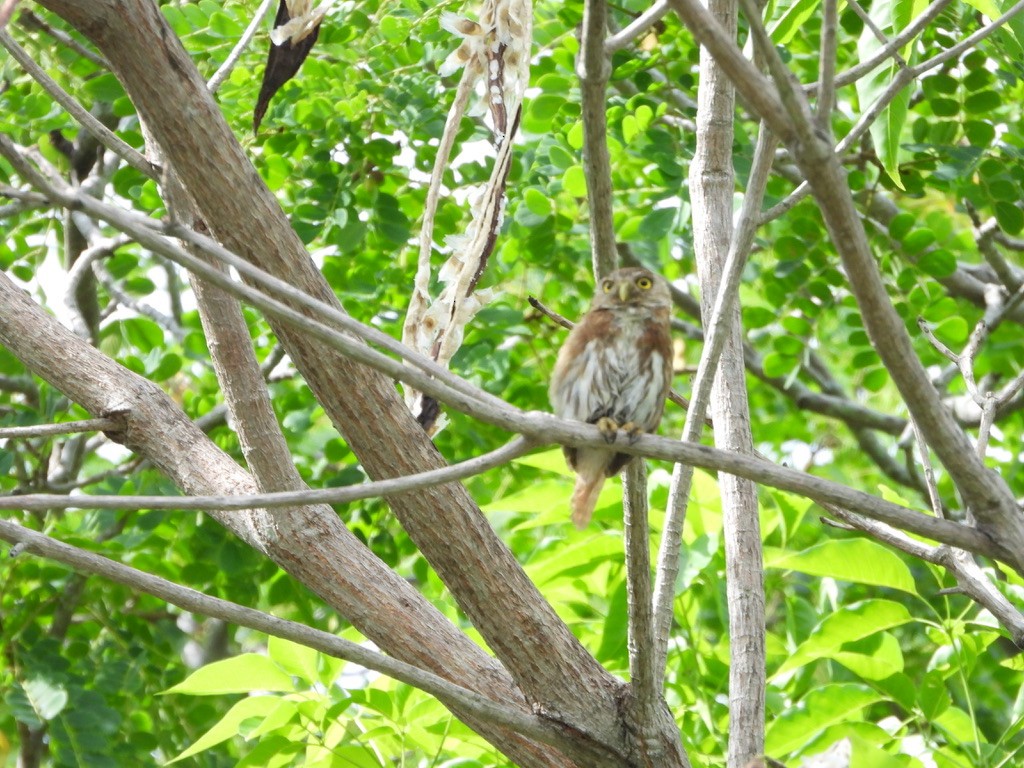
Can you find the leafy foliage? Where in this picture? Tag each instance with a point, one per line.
(864, 643)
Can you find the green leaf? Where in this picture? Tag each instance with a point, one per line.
(917, 240)
(938, 263)
(982, 102)
(824, 706)
(395, 29)
(229, 726)
(987, 7)
(888, 128)
(540, 112)
(792, 21)
(143, 333)
(1010, 217)
(36, 700)
(104, 88)
(658, 223)
(295, 659)
(852, 622)
(630, 128)
(952, 330)
(883, 658)
(551, 460)
(875, 379)
(758, 317)
(575, 182)
(857, 560)
(538, 203)
(579, 557)
(240, 674)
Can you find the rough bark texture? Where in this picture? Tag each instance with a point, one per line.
(711, 191)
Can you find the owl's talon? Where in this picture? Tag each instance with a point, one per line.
(633, 431)
(609, 428)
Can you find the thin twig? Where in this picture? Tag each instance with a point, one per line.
(929, 472)
(911, 31)
(104, 135)
(222, 73)
(381, 488)
(30, 21)
(637, 27)
(926, 331)
(66, 428)
(968, 42)
(550, 313)
(879, 35)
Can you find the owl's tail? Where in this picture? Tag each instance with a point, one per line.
(590, 475)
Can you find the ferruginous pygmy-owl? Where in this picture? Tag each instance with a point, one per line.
(614, 370)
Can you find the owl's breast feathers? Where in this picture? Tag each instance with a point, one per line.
(617, 362)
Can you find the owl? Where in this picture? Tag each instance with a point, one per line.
(614, 370)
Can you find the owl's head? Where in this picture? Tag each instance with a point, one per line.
(632, 287)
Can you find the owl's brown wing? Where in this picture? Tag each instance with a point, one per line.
(578, 385)
(656, 339)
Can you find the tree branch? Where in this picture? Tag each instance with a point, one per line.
(827, 66)
(721, 318)
(65, 428)
(224, 70)
(995, 506)
(103, 135)
(455, 696)
(517, 447)
(637, 27)
(593, 70)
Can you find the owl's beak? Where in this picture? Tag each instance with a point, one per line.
(623, 291)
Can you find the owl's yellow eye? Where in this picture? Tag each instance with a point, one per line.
(644, 283)
(606, 286)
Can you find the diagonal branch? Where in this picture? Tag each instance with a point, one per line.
(637, 27)
(191, 600)
(104, 135)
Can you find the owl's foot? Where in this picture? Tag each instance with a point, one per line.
(608, 427)
(633, 431)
